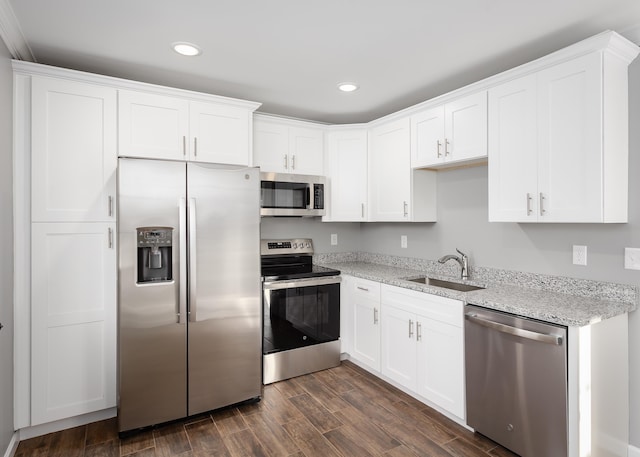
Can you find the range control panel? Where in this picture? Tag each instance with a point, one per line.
(289, 246)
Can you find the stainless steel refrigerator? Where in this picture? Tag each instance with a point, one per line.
(189, 289)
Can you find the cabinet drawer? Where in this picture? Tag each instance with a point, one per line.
(364, 288)
(433, 307)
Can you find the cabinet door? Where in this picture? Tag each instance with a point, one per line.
(73, 320)
(306, 149)
(73, 151)
(219, 133)
(570, 182)
(513, 151)
(152, 126)
(466, 128)
(440, 362)
(399, 346)
(390, 172)
(270, 146)
(365, 303)
(347, 176)
(427, 138)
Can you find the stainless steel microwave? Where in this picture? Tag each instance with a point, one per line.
(283, 194)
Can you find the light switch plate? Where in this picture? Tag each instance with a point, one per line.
(632, 258)
(579, 255)
(334, 239)
(403, 241)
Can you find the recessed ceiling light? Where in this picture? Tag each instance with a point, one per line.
(347, 86)
(186, 49)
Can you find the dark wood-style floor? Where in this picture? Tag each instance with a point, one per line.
(344, 411)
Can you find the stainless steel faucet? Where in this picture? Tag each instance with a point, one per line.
(463, 260)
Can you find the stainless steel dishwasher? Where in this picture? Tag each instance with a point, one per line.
(516, 373)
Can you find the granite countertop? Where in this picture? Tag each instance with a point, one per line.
(564, 301)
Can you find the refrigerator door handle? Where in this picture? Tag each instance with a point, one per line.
(182, 286)
(192, 260)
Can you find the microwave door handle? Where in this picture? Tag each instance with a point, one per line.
(308, 197)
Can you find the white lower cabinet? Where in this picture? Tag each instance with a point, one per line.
(73, 329)
(364, 299)
(423, 345)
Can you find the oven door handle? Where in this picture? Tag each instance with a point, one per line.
(307, 282)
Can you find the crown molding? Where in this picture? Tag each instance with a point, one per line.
(11, 34)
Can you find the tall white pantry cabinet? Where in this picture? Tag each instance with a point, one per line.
(67, 129)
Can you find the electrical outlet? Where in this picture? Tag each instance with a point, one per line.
(579, 255)
(403, 241)
(632, 258)
(334, 239)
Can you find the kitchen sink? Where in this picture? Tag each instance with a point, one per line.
(445, 284)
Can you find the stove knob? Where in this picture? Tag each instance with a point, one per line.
(295, 245)
(308, 244)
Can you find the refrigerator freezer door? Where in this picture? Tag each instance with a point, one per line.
(152, 337)
(225, 328)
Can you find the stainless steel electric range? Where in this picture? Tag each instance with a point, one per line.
(301, 311)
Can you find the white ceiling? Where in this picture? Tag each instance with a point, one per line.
(290, 54)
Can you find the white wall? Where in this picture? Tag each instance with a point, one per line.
(6, 249)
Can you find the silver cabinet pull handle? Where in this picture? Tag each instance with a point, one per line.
(110, 206)
(375, 315)
(184, 145)
(182, 246)
(446, 147)
(362, 288)
(522, 333)
(293, 162)
(418, 331)
(542, 210)
(362, 209)
(195, 147)
(438, 146)
(410, 328)
(528, 204)
(110, 238)
(193, 261)
(406, 209)
(286, 162)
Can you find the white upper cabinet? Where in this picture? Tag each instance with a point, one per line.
(73, 151)
(165, 127)
(450, 134)
(288, 147)
(558, 143)
(346, 172)
(396, 192)
(219, 133)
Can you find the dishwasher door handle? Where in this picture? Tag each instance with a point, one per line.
(528, 334)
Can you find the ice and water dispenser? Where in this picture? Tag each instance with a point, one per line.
(154, 254)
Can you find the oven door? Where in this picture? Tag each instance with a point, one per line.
(300, 312)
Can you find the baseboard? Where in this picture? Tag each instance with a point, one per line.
(63, 424)
(13, 445)
(634, 451)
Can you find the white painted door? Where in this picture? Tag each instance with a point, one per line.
(427, 138)
(73, 333)
(365, 303)
(570, 171)
(466, 128)
(399, 345)
(219, 133)
(347, 176)
(440, 364)
(73, 155)
(390, 172)
(306, 150)
(271, 146)
(152, 126)
(513, 151)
